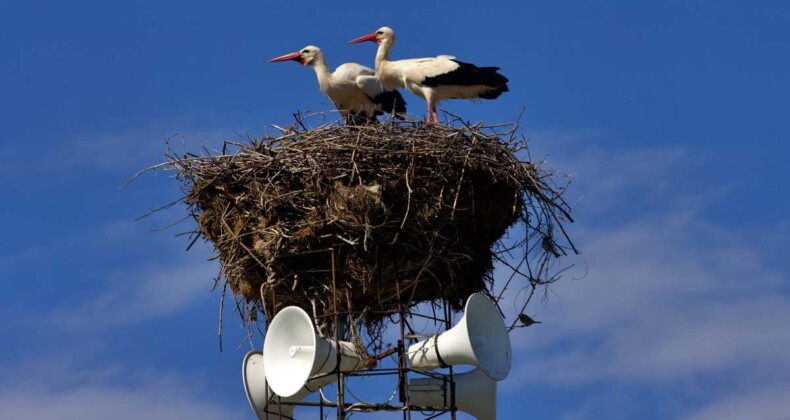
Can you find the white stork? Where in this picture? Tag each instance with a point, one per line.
(434, 79)
(352, 87)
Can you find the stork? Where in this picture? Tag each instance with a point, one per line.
(436, 78)
(352, 87)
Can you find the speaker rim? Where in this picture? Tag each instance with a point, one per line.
(497, 368)
(479, 399)
(298, 375)
(244, 377)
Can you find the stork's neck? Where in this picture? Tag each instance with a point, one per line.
(321, 70)
(383, 52)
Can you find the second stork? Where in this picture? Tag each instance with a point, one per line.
(435, 78)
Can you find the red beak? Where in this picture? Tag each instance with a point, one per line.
(363, 38)
(296, 56)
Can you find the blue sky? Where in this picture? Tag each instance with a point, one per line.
(672, 116)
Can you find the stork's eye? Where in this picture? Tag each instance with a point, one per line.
(379, 33)
(305, 51)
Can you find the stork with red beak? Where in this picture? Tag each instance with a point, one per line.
(352, 87)
(434, 79)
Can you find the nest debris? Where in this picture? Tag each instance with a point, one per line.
(405, 212)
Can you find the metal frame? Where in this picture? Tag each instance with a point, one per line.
(402, 370)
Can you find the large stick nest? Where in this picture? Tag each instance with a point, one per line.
(405, 213)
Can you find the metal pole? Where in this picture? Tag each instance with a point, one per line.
(341, 411)
(403, 380)
(453, 408)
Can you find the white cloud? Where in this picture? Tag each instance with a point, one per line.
(159, 397)
(765, 403)
(656, 307)
(120, 151)
(106, 402)
(670, 298)
(145, 294)
(135, 149)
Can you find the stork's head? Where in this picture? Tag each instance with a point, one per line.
(382, 35)
(307, 56)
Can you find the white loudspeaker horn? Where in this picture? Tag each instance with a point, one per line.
(475, 393)
(479, 339)
(258, 392)
(293, 352)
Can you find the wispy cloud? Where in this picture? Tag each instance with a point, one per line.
(120, 151)
(141, 295)
(155, 397)
(654, 306)
(137, 148)
(763, 403)
(670, 298)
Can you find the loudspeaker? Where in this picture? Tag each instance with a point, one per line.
(479, 339)
(475, 393)
(293, 352)
(258, 392)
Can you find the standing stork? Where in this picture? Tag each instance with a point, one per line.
(434, 79)
(352, 87)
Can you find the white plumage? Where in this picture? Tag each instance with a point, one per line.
(352, 87)
(436, 78)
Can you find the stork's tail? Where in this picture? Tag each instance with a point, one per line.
(391, 102)
(490, 76)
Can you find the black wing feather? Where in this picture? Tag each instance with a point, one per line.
(468, 75)
(391, 102)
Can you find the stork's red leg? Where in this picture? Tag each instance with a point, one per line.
(432, 116)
